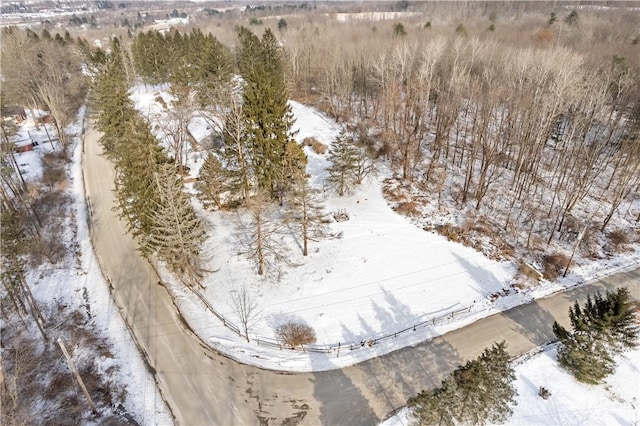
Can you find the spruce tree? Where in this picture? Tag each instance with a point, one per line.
(584, 355)
(176, 232)
(478, 392)
(440, 406)
(110, 95)
(620, 320)
(265, 105)
(137, 161)
(211, 183)
(601, 328)
(344, 159)
(500, 377)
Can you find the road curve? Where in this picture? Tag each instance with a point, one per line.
(203, 387)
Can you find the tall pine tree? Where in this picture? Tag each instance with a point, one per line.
(110, 96)
(478, 392)
(602, 327)
(344, 159)
(266, 110)
(137, 161)
(176, 232)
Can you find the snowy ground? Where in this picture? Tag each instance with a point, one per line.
(615, 402)
(382, 276)
(81, 284)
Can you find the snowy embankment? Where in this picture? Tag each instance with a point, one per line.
(381, 276)
(615, 402)
(80, 284)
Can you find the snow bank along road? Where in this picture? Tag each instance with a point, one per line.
(203, 387)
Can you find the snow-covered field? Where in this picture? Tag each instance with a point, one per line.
(615, 402)
(382, 276)
(80, 284)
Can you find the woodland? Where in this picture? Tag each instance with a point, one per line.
(510, 128)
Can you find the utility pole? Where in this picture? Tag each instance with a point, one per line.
(575, 247)
(73, 368)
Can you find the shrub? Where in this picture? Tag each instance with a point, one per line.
(553, 265)
(572, 18)
(398, 30)
(408, 208)
(451, 232)
(317, 146)
(295, 333)
(617, 238)
(53, 173)
(528, 271)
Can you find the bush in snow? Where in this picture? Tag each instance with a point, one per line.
(294, 333)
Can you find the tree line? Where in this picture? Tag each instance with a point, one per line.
(524, 125)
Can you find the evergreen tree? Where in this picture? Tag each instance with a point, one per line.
(210, 64)
(152, 57)
(499, 384)
(265, 105)
(440, 406)
(620, 320)
(478, 392)
(344, 158)
(176, 233)
(584, 355)
(211, 183)
(110, 95)
(602, 327)
(137, 161)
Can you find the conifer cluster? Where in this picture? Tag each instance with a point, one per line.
(478, 392)
(149, 192)
(603, 327)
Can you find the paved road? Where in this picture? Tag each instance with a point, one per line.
(203, 387)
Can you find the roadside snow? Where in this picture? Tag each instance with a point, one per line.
(616, 401)
(81, 285)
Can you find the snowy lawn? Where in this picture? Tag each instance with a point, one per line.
(381, 276)
(615, 402)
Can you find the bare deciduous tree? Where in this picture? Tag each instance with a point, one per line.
(261, 235)
(306, 213)
(246, 309)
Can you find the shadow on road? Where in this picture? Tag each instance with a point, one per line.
(341, 400)
(533, 322)
(400, 375)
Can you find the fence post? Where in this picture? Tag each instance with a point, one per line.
(338, 350)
